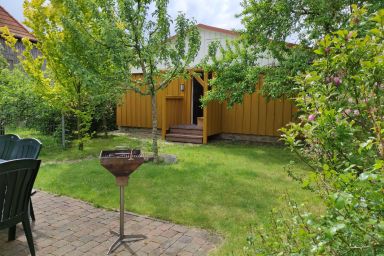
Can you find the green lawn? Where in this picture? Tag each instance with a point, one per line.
(226, 188)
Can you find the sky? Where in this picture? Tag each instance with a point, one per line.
(218, 13)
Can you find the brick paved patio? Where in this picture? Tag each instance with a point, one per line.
(65, 226)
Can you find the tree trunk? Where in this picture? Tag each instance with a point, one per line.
(2, 127)
(63, 130)
(155, 149)
(79, 137)
(78, 117)
(105, 128)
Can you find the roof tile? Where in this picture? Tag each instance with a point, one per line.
(6, 19)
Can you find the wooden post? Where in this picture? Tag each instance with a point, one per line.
(205, 121)
(62, 130)
(2, 128)
(164, 118)
(204, 83)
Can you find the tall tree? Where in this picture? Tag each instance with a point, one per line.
(131, 35)
(269, 24)
(73, 71)
(147, 34)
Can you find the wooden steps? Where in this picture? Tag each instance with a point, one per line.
(186, 134)
(197, 139)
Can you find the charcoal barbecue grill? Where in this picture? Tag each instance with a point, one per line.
(121, 163)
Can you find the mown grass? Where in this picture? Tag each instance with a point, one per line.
(52, 150)
(226, 188)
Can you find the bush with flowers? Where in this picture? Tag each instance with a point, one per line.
(340, 136)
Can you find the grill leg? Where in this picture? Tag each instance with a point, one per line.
(122, 238)
(121, 211)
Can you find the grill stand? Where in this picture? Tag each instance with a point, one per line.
(122, 238)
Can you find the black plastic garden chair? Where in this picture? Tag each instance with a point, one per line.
(7, 143)
(27, 148)
(16, 182)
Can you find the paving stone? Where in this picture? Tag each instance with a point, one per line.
(65, 226)
(169, 233)
(180, 229)
(149, 248)
(185, 239)
(185, 254)
(192, 248)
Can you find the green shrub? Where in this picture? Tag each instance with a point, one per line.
(22, 106)
(340, 135)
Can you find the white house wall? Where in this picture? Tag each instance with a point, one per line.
(208, 36)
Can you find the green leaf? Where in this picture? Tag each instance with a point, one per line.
(333, 230)
(379, 164)
(365, 176)
(319, 51)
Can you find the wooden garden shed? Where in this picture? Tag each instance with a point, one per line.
(182, 119)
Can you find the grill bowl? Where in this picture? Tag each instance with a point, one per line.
(121, 163)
